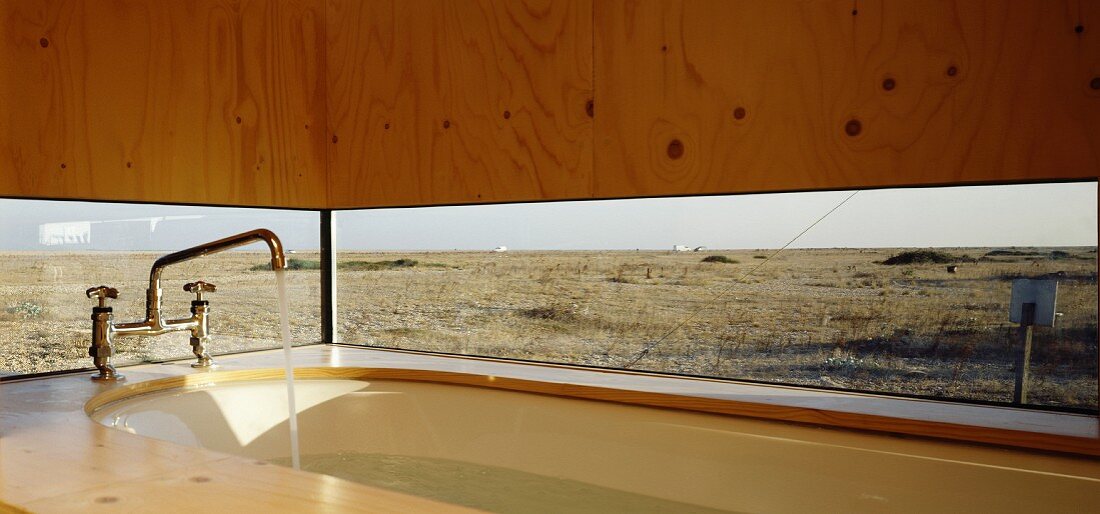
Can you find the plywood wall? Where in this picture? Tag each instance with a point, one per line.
(710, 96)
(207, 101)
(705, 96)
(357, 103)
(450, 101)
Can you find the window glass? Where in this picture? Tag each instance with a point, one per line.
(52, 251)
(899, 291)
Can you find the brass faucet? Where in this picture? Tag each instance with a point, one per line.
(104, 330)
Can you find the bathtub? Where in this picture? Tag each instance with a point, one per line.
(475, 440)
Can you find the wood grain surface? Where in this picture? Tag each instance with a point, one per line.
(208, 101)
(459, 101)
(716, 96)
(53, 458)
(427, 102)
(235, 485)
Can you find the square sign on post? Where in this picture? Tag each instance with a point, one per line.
(1041, 292)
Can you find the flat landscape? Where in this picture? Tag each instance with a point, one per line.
(838, 318)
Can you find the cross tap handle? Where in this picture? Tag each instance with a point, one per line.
(102, 293)
(199, 287)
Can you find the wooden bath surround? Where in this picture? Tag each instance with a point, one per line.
(54, 458)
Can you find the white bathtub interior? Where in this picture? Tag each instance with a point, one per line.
(521, 452)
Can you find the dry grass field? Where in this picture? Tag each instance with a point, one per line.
(830, 318)
(834, 318)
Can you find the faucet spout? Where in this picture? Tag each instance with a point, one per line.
(278, 258)
(153, 324)
(152, 295)
(152, 321)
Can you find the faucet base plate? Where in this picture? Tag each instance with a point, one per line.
(108, 378)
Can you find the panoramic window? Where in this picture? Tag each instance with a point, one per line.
(904, 291)
(54, 250)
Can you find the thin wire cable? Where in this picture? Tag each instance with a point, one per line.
(645, 351)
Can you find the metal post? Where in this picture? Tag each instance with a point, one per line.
(1023, 357)
(328, 280)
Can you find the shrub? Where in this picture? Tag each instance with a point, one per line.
(759, 256)
(1013, 253)
(1058, 255)
(297, 264)
(307, 264)
(26, 310)
(842, 363)
(555, 312)
(719, 258)
(376, 265)
(291, 264)
(921, 257)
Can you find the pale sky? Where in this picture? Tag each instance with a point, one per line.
(1017, 215)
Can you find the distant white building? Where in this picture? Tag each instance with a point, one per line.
(65, 233)
(500, 249)
(681, 248)
(124, 234)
